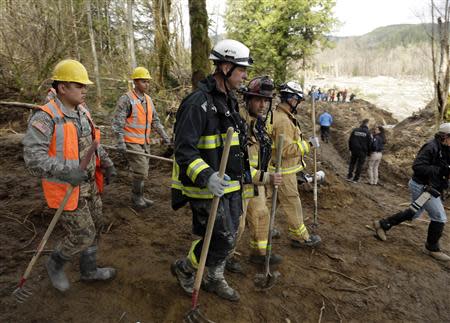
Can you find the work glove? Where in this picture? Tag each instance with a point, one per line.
(109, 174)
(74, 176)
(169, 150)
(216, 185)
(276, 179)
(314, 141)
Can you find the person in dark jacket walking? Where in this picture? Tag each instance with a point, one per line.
(359, 145)
(431, 172)
(376, 153)
(201, 125)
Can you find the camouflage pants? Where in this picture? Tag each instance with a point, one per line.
(138, 163)
(82, 224)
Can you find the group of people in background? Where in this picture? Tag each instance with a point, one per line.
(331, 95)
(364, 143)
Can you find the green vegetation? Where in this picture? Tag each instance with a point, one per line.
(396, 50)
(280, 32)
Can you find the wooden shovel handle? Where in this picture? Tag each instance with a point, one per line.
(58, 213)
(211, 219)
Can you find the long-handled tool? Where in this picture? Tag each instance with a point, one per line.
(142, 154)
(267, 280)
(21, 293)
(194, 315)
(313, 113)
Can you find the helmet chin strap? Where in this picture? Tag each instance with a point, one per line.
(293, 107)
(227, 76)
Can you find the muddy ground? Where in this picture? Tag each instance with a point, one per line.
(350, 277)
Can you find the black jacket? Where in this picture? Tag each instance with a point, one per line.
(431, 166)
(360, 140)
(203, 115)
(377, 143)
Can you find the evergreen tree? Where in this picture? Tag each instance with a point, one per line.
(280, 32)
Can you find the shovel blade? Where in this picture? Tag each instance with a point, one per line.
(196, 316)
(265, 282)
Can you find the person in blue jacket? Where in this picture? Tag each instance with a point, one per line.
(325, 121)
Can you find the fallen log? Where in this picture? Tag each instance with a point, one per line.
(20, 104)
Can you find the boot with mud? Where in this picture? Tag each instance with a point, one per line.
(432, 248)
(55, 270)
(233, 265)
(261, 259)
(184, 272)
(88, 267)
(215, 283)
(313, 241)
(137, 196)
(383, 225)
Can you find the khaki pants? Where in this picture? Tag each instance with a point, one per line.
(257, 216)
(374, 162)
(81, 224)
(289, 201)
(138, 163)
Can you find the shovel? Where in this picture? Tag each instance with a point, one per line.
(267, 280)
(21, 293)
(142, 154)
(194, 315)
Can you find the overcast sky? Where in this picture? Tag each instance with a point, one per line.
(357, 16)
(362, 16)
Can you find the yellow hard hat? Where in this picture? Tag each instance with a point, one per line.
(70, 70)
(140, 73)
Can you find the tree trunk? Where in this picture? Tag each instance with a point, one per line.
(75, 33)
(161, 11)
(443, 74)
(131, 34)
(94, 56)
(200, 44)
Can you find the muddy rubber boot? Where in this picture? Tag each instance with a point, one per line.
(261, 260)
(276, 234)
(383, 225)
(148, 201)
(313, 241)
(88, 266)
(215, 283)
(137, 194)
(184, 273)
(432, 248)
(55, 269)
(233, 265)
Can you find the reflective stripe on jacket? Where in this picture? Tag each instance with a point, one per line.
(295, 147)
(64, 148)
(138, 124)
(200, 130)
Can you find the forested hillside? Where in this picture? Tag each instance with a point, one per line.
(396, 50)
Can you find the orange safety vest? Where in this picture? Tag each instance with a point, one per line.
(64, 148)
(138, 124)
